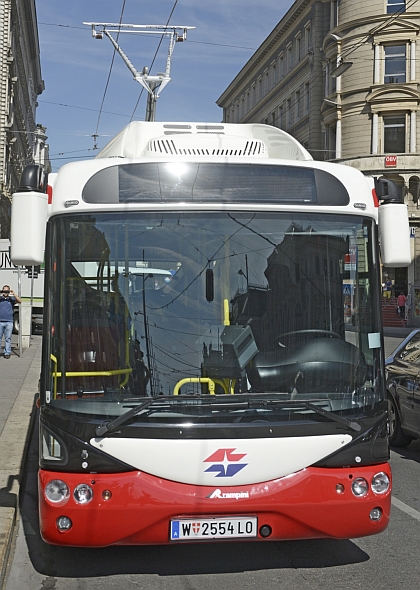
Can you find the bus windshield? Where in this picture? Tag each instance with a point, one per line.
(235, 308)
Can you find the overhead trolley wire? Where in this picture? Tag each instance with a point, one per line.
(95, 136)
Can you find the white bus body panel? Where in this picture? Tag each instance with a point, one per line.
(253, 460)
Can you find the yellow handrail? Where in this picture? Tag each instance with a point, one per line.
(56, 374)
(211, 383)
(94, 373)
(227, 384)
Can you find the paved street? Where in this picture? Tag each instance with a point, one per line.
(387, 561)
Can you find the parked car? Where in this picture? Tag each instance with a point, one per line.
(403, 391)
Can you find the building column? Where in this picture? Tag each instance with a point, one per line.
(412, 132)
(413, 61)
(376, 64)
(338, 138)
(375, 127)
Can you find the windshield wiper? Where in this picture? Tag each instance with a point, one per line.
(317, 409)
(107, 427)
(345, 421)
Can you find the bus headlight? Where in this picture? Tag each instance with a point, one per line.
(57, 491)
(360, 487)
(83, 493)
(380, 483)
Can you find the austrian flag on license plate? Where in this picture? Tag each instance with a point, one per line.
(194, 529)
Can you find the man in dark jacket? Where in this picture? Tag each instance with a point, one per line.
(7, 301)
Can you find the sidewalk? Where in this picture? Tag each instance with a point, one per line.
(18, 387)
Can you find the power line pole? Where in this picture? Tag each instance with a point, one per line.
(153, 84)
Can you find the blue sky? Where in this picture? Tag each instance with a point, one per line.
(75, 67)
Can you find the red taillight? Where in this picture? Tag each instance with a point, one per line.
(49, 193)
(375, 198)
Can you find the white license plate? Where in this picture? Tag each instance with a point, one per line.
(194, 529)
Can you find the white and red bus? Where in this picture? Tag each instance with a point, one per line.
(212, 363)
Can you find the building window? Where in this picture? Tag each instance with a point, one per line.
(394, 134)
(298, 48)
(393, 6)
(289, 111)
(289, 58)
(281, 66)
(274, 74)
(395, 64)
(334, 14)
(308, 44)
(306, 107)
(298, 106)
(273, 119)
(280, 121)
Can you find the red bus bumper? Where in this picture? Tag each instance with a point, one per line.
(313, 503)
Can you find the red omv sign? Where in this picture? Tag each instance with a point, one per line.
(390, 161)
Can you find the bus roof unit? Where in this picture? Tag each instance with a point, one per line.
(144, 139)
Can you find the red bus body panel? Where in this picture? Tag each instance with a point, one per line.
(304, 505)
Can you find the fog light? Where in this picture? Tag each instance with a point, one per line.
(339, 488)
(359, 487)
(64, 523)
(57, 491)
(380, 483)
(106, 495)
(265, 531)
(375, 514)
(83, 493)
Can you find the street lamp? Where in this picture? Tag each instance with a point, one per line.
(339, 70)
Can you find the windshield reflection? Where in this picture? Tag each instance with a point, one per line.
(219, 304)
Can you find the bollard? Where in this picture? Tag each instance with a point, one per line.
(25, 327)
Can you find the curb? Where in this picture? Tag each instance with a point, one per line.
(14, 444)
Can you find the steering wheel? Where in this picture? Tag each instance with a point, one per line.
(315, 333)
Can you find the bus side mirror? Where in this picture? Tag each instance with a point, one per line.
(29, 218)
(394, 230)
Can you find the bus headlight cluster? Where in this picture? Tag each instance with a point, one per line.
(379, 485)
(83, 493)
(57, 492)
(360, 487)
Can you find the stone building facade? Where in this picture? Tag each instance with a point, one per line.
(342, 76)
(20, 85)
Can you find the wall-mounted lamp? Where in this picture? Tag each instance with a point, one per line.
(335, 104)
(343, 67)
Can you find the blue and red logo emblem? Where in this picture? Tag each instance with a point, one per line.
(225, 463)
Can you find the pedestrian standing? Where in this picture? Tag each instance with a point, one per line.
(7, 301)
(387, 288)
(401, 299)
